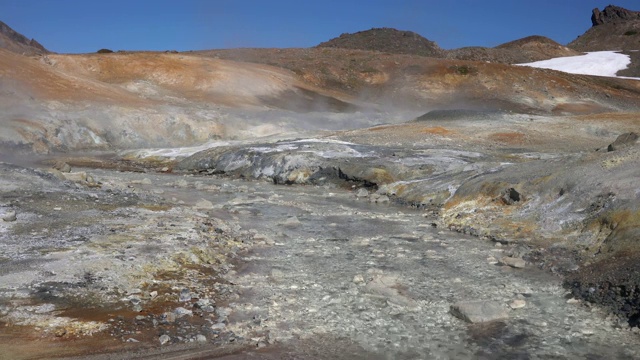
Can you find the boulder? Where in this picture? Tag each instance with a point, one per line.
(479, 311)
(622, 141)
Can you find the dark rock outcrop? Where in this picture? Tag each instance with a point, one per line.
(613, 14)
(614, 28)
(16, 42)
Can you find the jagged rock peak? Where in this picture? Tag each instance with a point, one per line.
(613, 14)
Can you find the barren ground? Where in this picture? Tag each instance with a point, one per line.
(331, 197)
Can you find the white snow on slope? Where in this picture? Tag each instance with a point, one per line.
(600, 63)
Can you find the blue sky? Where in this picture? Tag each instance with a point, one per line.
(73, 26)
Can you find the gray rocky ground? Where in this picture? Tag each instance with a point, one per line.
(330, 247)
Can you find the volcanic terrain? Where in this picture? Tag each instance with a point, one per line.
(375, 196)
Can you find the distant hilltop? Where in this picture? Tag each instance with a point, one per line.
(614, 28)
(386, 40)
(389, 40)
(18, 43)
(613, 14)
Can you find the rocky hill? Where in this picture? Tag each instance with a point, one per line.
(386, 40)
(614, 28)
(528, 49)
(18, 43)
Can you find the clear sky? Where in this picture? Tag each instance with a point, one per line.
(73, 26)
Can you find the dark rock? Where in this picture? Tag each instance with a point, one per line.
(623, 141)
(613, 14)
(511, 196)
(614, 285)
(104, 51)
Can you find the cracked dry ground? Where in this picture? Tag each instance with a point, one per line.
(247, 269)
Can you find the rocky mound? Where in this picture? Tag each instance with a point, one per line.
(528, 49)
(386, 40)
(614, 28)
(537, 46)
(18, 43)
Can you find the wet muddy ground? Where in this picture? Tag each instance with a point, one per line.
(171, 266)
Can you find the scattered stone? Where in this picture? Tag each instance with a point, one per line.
(205, 305)
(201, 338)
(185, 295)
(511, 196)
(79, 177)
(57, 173)
(358, 279)
(62, 167)
(379, 199)
(291, 222)
(388, 286)
(132, 340)
(362, 192)
(9, 216)
(517, 304)
(44, 308)
(513, 262)
(478, 311)
(60, 332)
(204, 204)
(164, 339)
(182, 183)
(169, 317)
(218, 326)
(622, 141)
(180, 312)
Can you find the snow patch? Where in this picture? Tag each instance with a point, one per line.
(599, 63)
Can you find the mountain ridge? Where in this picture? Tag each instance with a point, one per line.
(18, 43)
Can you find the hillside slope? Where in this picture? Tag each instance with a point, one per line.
(18, 43)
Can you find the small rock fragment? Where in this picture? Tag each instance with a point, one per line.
(201, 338)
(9, 216)
(180, 312)
(204, 204)
(169, 317)
(79, 177)
(513, 262)
(517, 304)
(62, 167)
(164, 339)
(291, 222)
(182, 183)
(362, 192)
(185, 295)
(218, 326)
(478, 311)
